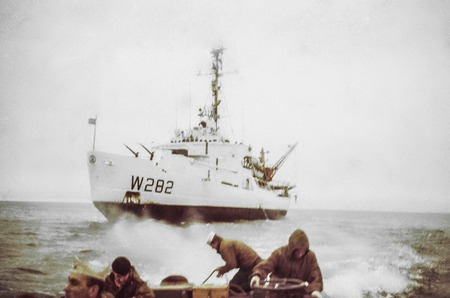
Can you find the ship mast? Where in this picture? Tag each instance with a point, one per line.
(215, 84)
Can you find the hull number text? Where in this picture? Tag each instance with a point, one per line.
(151, 185)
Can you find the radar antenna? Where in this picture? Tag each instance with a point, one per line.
(212, 112)
(215, 83)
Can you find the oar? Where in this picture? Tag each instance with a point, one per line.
(209, 276)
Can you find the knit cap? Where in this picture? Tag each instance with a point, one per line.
(121, 265)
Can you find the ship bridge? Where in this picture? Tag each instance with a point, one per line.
(198, 134)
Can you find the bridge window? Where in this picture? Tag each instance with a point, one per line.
(180, 152)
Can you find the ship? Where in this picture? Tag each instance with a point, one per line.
(199, 175)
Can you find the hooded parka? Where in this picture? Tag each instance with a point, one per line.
(283, 263)
(134, 287)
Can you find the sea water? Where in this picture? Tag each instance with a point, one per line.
(361, 254)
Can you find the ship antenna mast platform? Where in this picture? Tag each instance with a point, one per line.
(215, 83)
(216, 73)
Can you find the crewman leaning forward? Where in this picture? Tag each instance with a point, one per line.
(236, 254)
(294, 260)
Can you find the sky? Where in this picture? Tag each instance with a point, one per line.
(362, 86)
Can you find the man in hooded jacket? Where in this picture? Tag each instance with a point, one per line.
(236, 254)
(124, 281)
(294, 260)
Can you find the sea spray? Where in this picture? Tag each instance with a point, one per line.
(364, 262)
(159, 250)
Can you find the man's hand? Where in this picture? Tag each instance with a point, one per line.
(254, 282)
(219, 271)
(316, 294)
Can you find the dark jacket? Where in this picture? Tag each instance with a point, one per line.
(236, 254)
(134, 287)
(283, 264)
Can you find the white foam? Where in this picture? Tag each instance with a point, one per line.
(355, 260)
(158, 250)
(359, 264)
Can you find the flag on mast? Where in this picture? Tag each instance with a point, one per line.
(94, 122)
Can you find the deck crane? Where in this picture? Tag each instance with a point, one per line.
(269, 173)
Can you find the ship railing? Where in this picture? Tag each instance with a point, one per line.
(212, 166)
(281, 187)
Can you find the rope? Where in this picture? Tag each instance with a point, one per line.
(209, 276)
(282, 284)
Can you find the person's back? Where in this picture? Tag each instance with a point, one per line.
(236, 254)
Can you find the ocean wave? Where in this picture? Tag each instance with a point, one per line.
(30, 270)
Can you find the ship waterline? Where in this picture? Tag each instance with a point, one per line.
(179, 214)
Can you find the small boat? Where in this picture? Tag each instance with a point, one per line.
(200, 175)
(178, 287)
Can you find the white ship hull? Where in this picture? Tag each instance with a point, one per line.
(190, 191)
